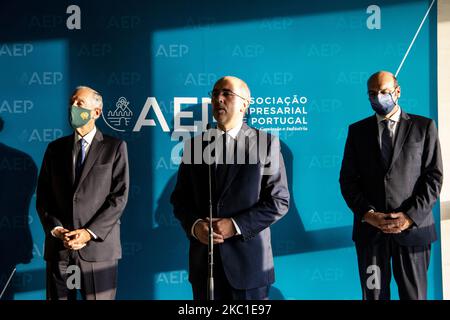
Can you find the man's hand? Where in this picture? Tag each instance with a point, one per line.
(376, 219)
(201, 232)
(397, 222)
(60, 232)
(76, 247)
(388, 223)
(76, 239)
(224, 227)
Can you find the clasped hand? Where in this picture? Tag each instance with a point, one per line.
(223, 228)
(389, 223)
(73, 240)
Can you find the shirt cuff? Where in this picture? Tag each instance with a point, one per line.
(238, 230)
(92, 234)
(193, 226)
(362, 220)
(52, 232)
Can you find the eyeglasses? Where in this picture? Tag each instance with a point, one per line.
(373, 93)
(225, 92)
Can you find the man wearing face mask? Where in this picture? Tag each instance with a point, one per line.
(81, 194)
(391, 177)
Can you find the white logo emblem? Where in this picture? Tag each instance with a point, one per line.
(120, 117)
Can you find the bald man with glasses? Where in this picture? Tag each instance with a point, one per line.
(391, 177)
(246, 200)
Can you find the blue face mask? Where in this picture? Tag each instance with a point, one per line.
(382, 104)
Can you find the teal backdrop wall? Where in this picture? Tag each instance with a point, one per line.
(154, 62)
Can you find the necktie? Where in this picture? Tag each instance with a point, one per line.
(221, 168)
(387, 142)
(80, 158)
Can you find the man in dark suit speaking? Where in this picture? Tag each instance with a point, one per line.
(249, 193)
(81, 194)
(391, 177)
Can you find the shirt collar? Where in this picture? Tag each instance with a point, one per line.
(232, 132)
(395, 117)
(88, 138)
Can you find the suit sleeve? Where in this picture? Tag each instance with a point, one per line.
(182, 197)
(110, 212)
(44, 192)
(273, 202)
(429, 184)
(349, 179)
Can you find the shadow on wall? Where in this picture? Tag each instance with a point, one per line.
(18, 174)
(289, 235)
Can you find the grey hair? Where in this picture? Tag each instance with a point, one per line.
(242, 84)
(95, 95)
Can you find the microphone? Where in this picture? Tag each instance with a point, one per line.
(210, 283)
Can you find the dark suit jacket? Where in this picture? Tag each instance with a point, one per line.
(96, 202)
(253, 200)
(411, 184)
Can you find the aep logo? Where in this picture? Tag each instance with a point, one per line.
(120, 118)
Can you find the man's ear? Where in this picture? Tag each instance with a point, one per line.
(244, 107)
(97, 113)
(399, 91)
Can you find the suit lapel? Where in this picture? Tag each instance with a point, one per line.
(374, 140)
(68, 158)
(403, 128)
(94, 151)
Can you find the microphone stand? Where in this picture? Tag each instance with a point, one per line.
(7, 283)
(210, 233)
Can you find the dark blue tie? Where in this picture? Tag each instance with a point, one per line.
(386, 142)
(80, 158)
(222, 168)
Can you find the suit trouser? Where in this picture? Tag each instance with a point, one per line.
(222, 288)
(98, 280)
(409, 266)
